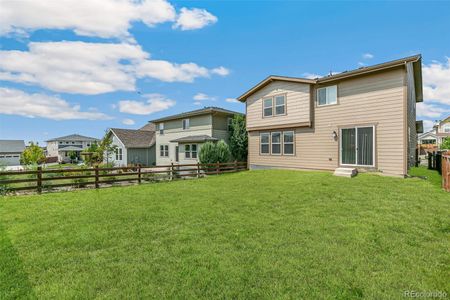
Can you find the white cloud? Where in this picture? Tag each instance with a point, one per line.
(203, 97)
(427, 125)
(194, 18)
(128, 122)
(367, 56)
(231, 100)
(222, 71)
(430, 110)
(436, 81)
(91, 68)
(100, 18)
(17, 102)
(154, 103)
(311, 75)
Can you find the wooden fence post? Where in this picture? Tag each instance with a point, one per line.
(171, 172)
(139, 174)
(218, 168)
(198, 169)
(235, 165)
(39, 179)
(96, 177)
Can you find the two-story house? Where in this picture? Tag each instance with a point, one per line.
(363, 119)
(442, 130)
(62, 147)
(179, 137)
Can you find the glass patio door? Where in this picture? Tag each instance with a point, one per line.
(357, 146)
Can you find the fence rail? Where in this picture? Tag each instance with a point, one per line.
(44, 179)
(446, 171)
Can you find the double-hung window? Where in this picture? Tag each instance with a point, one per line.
(288, 142)
(190, 151)
(274, 106)
(280, 105)
(230, 124)
(265, 143)
(276, 143)
(327, 95)
(118, 153)
(185, 124)
(164, 150)
(268, 107)
(161, 128)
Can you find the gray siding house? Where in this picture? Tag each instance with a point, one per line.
(179, 137)
(10, 151)
(133, 146)
(61, 147)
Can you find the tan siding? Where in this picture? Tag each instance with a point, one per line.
(297, 104)
(376, 99)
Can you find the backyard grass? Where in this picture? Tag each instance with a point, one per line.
(250, 235)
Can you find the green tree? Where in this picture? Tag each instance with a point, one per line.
(105, 148)
(238, 138)
(211, 152)
(32, 155)
(72, 156)
(446, 143)
(90, 154)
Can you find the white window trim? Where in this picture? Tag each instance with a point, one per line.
(260, 143)
(119, 154)
(326, 104)
(356, 143)
(191, 151)
(264, 107)
(161, 128)
(164, 151)
(187, 122)
(275, 105)
(293, 142)
(280, 143)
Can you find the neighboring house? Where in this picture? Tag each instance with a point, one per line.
(365, 119)
(427, 142)
(62, 147)
(180, 137)
(10, 151)
(133, 146)
(442, 130)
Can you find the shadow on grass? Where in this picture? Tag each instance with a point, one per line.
(14, 283)
(431, 176)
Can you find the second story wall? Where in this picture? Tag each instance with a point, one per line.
(298, 102)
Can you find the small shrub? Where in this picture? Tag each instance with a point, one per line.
(211, 153)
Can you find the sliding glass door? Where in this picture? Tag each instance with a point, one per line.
(357, 146)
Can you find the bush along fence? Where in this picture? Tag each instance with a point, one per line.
(96, 177)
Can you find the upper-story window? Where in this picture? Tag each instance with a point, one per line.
(446, 128)
(274, 106)
(327, 95)
(161, 128)
(185, 124)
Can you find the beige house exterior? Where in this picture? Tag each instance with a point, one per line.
(364, 118)
(61, 147)
(179, 137)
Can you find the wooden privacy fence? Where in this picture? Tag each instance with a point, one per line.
(434, 161)
(446, 171)
(44, 179)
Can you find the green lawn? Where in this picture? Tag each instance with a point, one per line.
(250, 235)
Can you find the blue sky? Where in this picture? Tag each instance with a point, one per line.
(108, 65)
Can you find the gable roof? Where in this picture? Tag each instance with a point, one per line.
(73, 137)
(416, 60)
(135, 138)
(148, 127)
(427, 134)
(12, 146)
(197, 112)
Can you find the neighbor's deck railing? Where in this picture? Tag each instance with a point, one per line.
(446, 171)
(41, 179)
